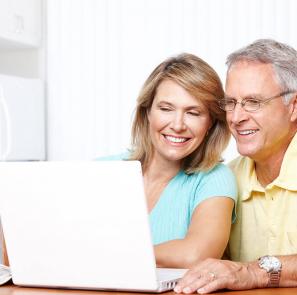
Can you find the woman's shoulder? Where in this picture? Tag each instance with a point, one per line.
(219, 170)
(117, 157)
(218, 181)
(218, 178)
(219, 175)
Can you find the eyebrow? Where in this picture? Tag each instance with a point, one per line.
(252, 95)
(196, 107)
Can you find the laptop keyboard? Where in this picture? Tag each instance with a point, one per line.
(168, 274)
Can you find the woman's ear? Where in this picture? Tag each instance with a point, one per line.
(294, 108)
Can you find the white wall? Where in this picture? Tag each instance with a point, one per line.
(101, 51)
(21, 38)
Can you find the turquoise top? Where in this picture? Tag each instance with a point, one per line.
(171, 216)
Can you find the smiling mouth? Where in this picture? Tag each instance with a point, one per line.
(174, 139)
(247, 132)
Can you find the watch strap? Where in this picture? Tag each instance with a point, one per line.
(274, 278)
(273, 266)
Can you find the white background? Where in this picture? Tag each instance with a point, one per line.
(99, 52)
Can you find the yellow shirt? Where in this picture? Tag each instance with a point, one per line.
(266, 221)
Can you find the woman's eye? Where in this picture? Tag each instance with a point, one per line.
(194, 114)
(164, 109)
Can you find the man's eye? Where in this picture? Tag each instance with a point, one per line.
(251, 102)
(229, 102)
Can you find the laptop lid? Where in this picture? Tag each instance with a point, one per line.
(77, 225)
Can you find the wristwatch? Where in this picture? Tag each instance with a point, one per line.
(273, 267)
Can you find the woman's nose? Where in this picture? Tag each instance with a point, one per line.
(178, 122)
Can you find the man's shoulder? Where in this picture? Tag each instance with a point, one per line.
(244, 170)
(239, 164)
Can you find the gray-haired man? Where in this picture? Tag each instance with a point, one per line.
(261, 110)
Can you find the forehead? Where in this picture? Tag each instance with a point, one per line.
(171, 92)
(246, 78)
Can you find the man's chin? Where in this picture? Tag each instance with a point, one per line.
(245, 151)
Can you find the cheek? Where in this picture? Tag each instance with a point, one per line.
(156, 123)
(200, 127)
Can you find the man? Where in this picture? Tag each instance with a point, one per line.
(261, 110)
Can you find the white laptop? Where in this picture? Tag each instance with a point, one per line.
(80, 225)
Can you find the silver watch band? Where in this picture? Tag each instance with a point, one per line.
(274, 278)
(273, 267)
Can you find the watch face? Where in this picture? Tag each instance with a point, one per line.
(270, 263)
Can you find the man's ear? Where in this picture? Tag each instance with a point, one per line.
(294, 108)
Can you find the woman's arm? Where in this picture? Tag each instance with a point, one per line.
(207, 235)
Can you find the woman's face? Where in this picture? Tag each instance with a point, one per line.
(178, 122)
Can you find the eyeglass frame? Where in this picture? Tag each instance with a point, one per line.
(243, 101)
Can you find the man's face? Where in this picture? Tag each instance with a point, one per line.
(267, 131)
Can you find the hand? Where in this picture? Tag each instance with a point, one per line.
(214, 274)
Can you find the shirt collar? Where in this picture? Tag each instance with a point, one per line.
(252, 183)
(286, 179)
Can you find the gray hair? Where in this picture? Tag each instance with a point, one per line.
(282, 57)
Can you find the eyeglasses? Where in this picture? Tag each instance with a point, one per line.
(248, 104)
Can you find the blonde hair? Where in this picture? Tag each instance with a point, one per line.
(202, 82)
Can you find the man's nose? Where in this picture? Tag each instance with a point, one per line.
(238, 115)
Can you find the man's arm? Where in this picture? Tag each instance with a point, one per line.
(214, 274)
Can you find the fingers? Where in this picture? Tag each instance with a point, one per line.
(211, 287)
(212, 275)
(189, 278)
(194, 281)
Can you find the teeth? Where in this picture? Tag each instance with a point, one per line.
(246, 132)
(176, 139)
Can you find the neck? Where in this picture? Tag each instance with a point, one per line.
(160, 169)
(268, 170)
(267, 173)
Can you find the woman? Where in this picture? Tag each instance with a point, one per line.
(178, 134)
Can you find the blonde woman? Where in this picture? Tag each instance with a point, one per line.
(178, 134)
